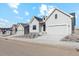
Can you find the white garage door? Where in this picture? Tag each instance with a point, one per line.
(57, 30)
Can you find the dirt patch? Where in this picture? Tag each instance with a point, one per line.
(73, 37)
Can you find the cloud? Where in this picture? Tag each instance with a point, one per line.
(26, 13)
(14, 6)
(3, 20)
(4, 23)
(15, 11)
(44, 9)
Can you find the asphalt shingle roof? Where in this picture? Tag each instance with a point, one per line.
(24, 24)
(39, 19)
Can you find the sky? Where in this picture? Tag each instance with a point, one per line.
(13, 13)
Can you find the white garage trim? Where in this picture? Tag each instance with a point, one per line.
(56, 25)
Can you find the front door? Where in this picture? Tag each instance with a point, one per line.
(44, 27)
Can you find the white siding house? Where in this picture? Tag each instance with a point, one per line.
(22, 29)
(34, 25)
(57, 23)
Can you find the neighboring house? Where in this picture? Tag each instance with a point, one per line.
(22, 29)
(73, 22)
(14, 29)
(57, 23)
(0, 30)
(6, 31)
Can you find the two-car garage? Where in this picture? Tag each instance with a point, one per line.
(58, 30)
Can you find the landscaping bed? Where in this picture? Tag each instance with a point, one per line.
(73, 37)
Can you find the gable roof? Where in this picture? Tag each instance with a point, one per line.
(14, 25)
(69, 15)
(23, 24)
(37, 18)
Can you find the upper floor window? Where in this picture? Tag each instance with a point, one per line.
(34, 27)
(56, 16)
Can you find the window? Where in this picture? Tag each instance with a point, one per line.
(55, 16)
(34, 27)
